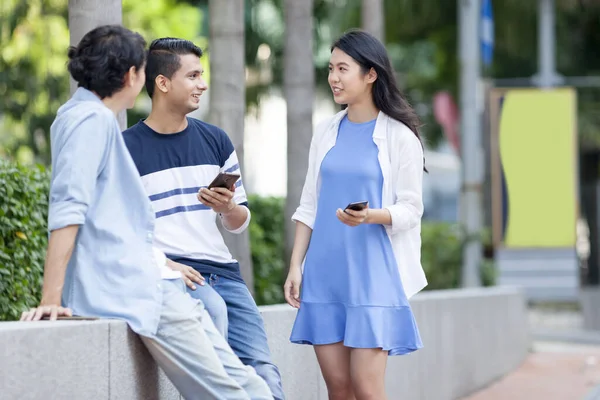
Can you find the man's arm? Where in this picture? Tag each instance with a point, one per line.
(232, 204)
(60, 248)
(221, 200)
(236, 218)
(77, 161)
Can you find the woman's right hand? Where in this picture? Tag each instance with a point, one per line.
(292, 286)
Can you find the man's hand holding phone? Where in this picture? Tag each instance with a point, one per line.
(354, 214)
(219, 194)
(217, 198)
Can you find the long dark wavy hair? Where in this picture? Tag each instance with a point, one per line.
(369, 53)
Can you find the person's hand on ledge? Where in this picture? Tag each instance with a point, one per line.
(50, 311)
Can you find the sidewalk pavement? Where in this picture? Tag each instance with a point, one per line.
(553, 371)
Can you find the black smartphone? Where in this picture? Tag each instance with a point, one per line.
(358, 206)
(224, 180)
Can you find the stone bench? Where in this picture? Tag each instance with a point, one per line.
(471, 338)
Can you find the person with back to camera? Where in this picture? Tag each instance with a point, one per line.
(358, 226)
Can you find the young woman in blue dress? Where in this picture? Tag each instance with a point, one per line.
(359, 266)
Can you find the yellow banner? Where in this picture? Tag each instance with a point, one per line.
(536, 177)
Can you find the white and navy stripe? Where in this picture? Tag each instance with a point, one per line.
(173, 168)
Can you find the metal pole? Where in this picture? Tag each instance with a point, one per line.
(547, 76)
(472, 163)
(373, 18)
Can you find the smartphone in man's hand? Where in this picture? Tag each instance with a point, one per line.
(224, 180)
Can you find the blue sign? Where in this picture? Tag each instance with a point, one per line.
(487, 32)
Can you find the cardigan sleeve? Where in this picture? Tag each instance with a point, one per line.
(407, 210)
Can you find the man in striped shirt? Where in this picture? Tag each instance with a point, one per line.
(177, 158)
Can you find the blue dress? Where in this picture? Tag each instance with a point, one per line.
(351, 287)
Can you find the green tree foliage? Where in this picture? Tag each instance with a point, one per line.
(422, 40)
(34, 37)
(265, 27)
(33, 83)
(421, 37)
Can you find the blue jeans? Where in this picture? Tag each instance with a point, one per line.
(194, 356)
(236, 315)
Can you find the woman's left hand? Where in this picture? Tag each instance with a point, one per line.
(351, 217)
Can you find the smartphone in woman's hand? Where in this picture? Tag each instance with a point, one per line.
(357, 206)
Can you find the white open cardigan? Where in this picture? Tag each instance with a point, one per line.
(401, 160)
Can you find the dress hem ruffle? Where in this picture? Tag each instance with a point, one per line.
(392, 329)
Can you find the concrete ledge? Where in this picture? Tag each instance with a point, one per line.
(576, 337)
(590, 299)
(471, 337)
(544, 274)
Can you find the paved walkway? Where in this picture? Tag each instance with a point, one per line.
(554, 371)
(564, 364)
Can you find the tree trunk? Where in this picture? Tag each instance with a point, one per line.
(227, 92)
(299, 83)
(373, 18)
(85, 15)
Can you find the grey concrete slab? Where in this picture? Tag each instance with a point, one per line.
(133, 373)
(590, 306)
(471, 337)
(545, 274)
(297, 363)
(54, 360)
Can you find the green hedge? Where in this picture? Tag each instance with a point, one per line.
(268, 250)
(23, 240)
(441, 256)
(23, 236)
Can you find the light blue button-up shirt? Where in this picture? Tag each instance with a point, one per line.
(95, 184)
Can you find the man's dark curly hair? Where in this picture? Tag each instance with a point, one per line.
(103, 56)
